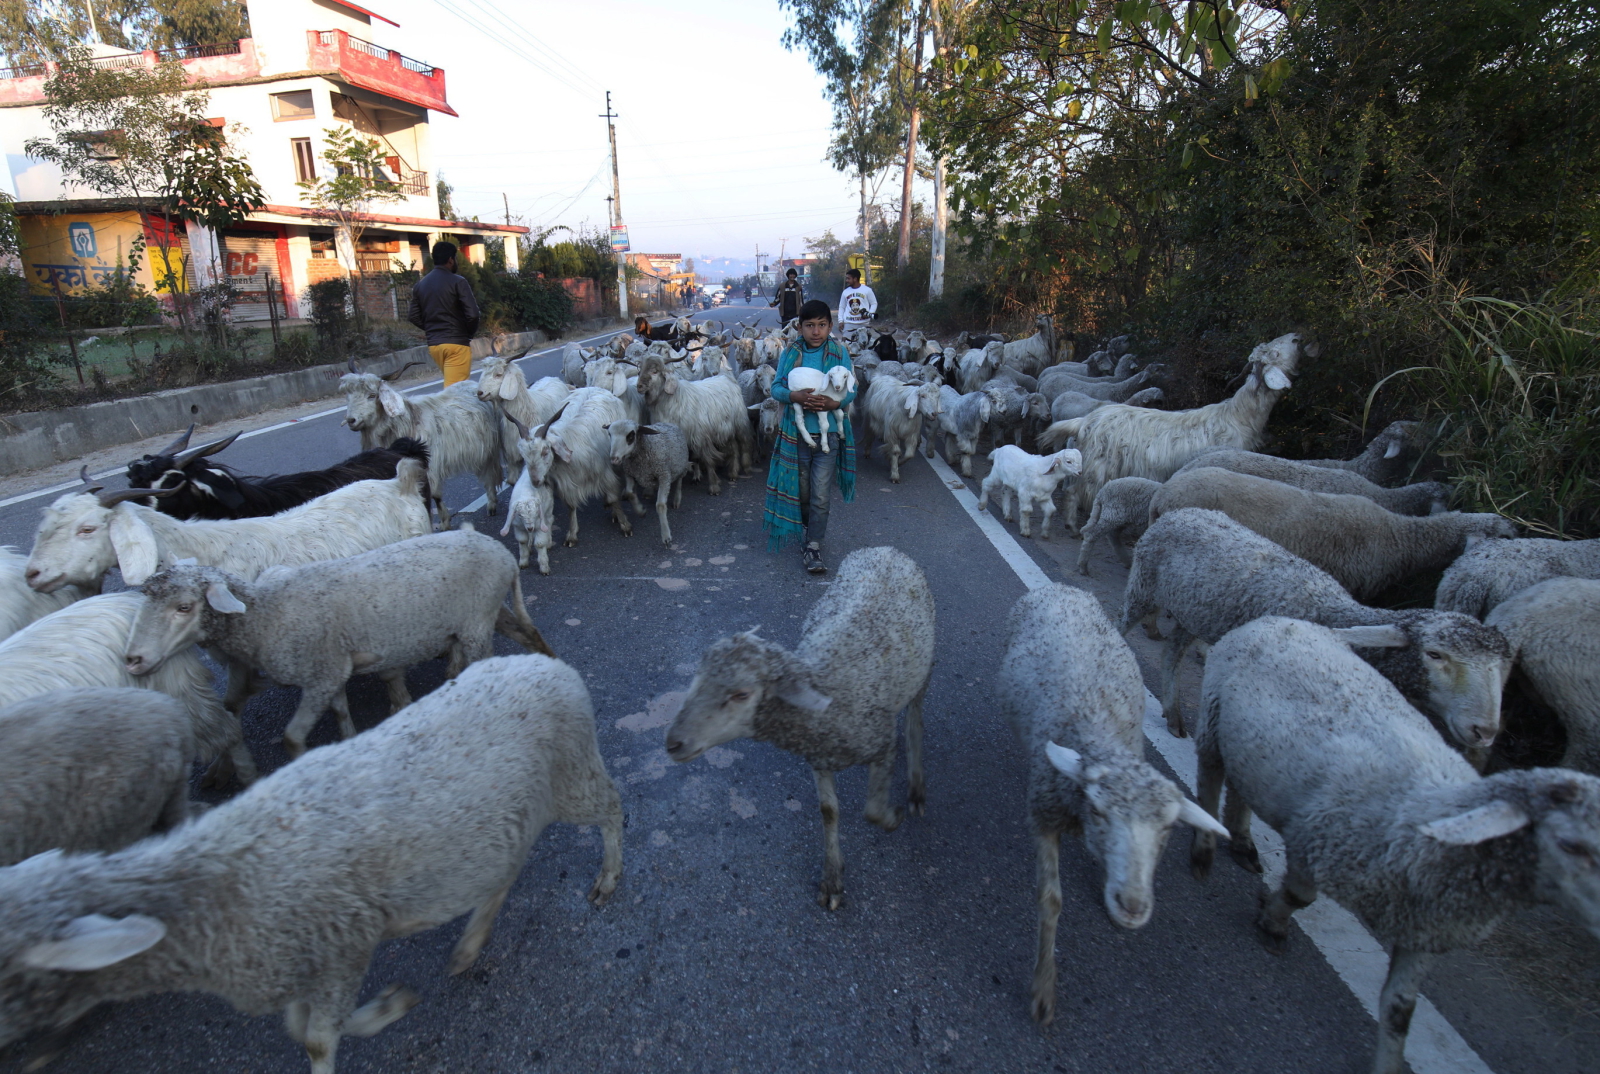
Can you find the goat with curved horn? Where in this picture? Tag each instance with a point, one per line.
(392, 377)
(545, 428)
(180, 443)
(522, 430)
(351, 362)
(180, 461)
(115, 496)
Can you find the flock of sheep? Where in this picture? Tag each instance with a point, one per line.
(1359, 732)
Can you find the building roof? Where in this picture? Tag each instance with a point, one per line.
(272, 214)
(365, 11)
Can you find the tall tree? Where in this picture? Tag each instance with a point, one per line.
(351, 187)
(33, 31)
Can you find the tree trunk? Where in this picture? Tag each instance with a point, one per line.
(903, 254)
(941, 221)
(866, 235)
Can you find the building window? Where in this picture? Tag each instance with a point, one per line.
(296, 105)
(305, 161)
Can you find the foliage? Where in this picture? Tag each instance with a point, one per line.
(10, 233)
(209, 185)
(24, 336)
(446, 193)
(332, 313)
(519, 301)
(353, 184)
(587, 253)
(32, 31)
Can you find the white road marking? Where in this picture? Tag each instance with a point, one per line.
(1434, 1046)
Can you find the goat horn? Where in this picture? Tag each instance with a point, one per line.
(351, 362)
(179, 444)
(180, 461)
(522, 430)
(545, 428)
(116, 496)
(83, 475)
(391, 377)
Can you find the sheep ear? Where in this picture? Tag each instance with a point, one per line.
(1068, 762)
(1191, 814)
(137, 547)
(561, 447)
(619, 384)
(985, 411)
(911, 402)
(671, 386)
(1393, 450)
(648, 430)
(220, 597)
(509, 389)
(1277, 379)
(94, 941)
(1475, 826)
(801, 695)
(393, 404)
(753, 406)
(1383, 636)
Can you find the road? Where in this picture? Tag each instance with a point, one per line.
(714, 956)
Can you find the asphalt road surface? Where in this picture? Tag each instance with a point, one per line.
(714, 955)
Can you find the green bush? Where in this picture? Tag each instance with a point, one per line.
(331, 314)
(24, 338)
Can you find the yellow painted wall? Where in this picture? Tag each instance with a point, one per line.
(82, 250)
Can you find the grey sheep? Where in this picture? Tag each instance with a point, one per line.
(1492, 571)
(1213, 574)
(961, 420)
(316, 625)
(865, 653)
(92, 769)
(654, 457)
(1073, 404)
(276, 900)
(1554, 631)
(1389, 457)
(1071, 690)
(1053, 382)
(1010, 413)
(1422, 498)
(1392, 823)
(1121, 513)
(1366, 548)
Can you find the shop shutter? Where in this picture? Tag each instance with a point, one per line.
(251, 264)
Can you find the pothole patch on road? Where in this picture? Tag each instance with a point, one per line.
(658, 712)
(717, 757)
(673, 584)
(721, 561)
(740, 804)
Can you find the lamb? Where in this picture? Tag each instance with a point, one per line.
(316, 625)
(961, 420)
(1423, 498)
(1037, 351)
(531, 517)
(978, 366)
(1212, 574)
(1071, 691)
(1391, 456)
(836, 383)
(1365, 548)
(1033, 478)
(651, 456)
(1493, 571)
(1128, 441)
(84, 646)
(1554, 631)
(1393, 823)
(359, 857)
(91, 769)
(1053, 382)
(895, 413)
(1071, 404)
(572, 453)
(1121, 513)
(83, 535)
(865, 653)
(20, 605)
(710, 412)
(461, 431)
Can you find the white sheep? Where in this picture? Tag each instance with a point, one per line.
(865, 653)
(1071, 690)
(530, 517)
(20, 605)
(574, 357)
(572, 454)
(836, 383)
(962, 419)
(1423, 498)
(895, 413)
(1490, 572)
(978, 366)
(1554, 631)
(1121, 513)
(710, 412)
(1034, 479)
(1377, 811)
(420, 820)
(91, 769)
(1056, 380)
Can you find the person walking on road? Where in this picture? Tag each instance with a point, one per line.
(789, 297)
(800, 480)
(442, 306)
(857, 304)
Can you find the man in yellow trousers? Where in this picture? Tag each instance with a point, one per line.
(443, 307)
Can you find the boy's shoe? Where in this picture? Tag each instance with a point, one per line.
(811, 558)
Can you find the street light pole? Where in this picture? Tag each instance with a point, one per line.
(616, 213)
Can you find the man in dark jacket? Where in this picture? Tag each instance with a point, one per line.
(789, 298)
(443, 307)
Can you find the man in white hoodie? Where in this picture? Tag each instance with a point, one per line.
(857, 304)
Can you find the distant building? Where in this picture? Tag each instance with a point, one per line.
(309, 66)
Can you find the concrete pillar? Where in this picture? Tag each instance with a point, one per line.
(475, 250)
(344, 247)
(513, 253)
(300, 275)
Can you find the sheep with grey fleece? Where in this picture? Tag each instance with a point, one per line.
(1554, 631)
(1053, 382)
(84, 645)
(1121, 513)
(978, 366)
(91, 769)
(1213, 574)
(1071, 404)
(1366, 548)
(316, 625)
(895, 413)
(1010, 413)
(653, 457)
(1492, 571)
(1071, 691)
(865, 653)
(1390, 457)
(1392, 823)
(962, 419)
(276, 900)
(1422, 498)
(20, 605)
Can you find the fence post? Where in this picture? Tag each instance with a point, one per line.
(272, 311)
(72, 341)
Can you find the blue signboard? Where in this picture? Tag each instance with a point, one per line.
(83, 241)
(619, 238)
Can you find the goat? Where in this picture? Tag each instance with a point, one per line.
(710, 412)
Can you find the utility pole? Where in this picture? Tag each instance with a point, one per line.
(616, 213)
(507, 203)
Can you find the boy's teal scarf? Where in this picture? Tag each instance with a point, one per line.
(781, 519)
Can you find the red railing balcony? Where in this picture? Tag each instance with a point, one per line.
(379, 69)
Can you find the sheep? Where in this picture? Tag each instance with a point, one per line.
(20, 605)
(573, 358)
(865, 653)
(651, 456)
(1037, 351)
(1006, 374)
(911, 347)
(1423, 498)
(1392, 823)
(1365, 547)
(1212, 574)
(1071, 691)
(1011, 409)
(314, 626)
(978, 366)
(1071, 404)
(1121, 513)
(1492, 571)
(1391, 456)
(83, 535)
(84, 645)
(462, 432)
(836, 383)
(961, 420)
(503, 384)
(710, 412)
(1554, 631)
(756, 384)
(1129, 441)
(1033, 478)
(358, 856)
(768, 420)
(1053, 382)
(711, 361)
(531, 517)
(91, 769)
(895, 413)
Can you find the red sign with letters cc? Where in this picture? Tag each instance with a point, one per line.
(242, 264)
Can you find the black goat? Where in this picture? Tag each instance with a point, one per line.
(886, 348)
(212, 490)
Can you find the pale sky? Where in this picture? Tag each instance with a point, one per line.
(721, 132)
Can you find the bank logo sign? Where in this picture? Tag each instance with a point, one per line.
(83, 241)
